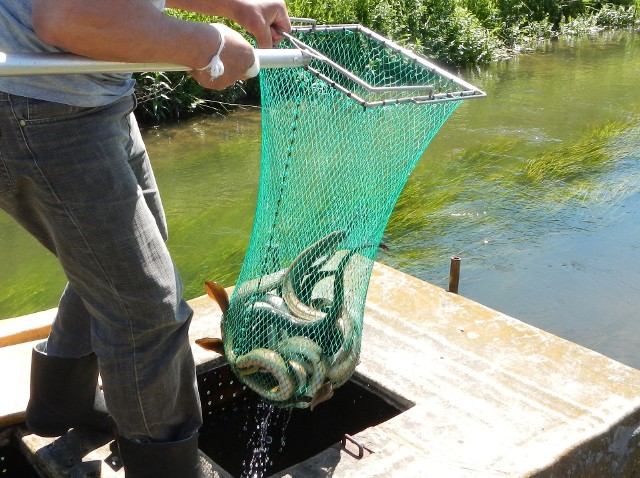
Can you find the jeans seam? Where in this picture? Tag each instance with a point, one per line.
(135, 349)
(6, 174)
(64, 206)
(71, 217)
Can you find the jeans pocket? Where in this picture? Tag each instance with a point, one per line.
(32, 110)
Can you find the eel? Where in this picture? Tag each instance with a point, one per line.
(308, 262)
(325, 392)
(305, 351)
(217, 293)
(266, 361)
(345, 360)
(295, 363)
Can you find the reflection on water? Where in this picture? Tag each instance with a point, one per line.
(556, 249)
(537, 188)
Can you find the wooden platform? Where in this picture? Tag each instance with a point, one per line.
(490, 395)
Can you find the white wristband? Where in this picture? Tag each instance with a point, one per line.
(255, 68)
(215, 66)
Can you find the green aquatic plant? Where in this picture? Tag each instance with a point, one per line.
(493, 193)
(436, 202)
(581, 160)
(585, 171)
(428, 202)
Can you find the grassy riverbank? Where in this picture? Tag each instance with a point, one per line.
(456, 33)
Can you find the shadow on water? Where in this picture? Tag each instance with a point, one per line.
(535, 187)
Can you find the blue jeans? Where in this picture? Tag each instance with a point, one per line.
(80, 181)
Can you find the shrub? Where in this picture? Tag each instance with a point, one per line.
(332, 11)
(615, 17)
(454, 32)
(484, 10)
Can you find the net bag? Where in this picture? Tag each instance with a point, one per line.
(340, 138)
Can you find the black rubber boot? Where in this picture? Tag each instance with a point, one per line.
(65, 394)
(178, 459)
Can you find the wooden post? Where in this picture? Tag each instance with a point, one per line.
(454, 274)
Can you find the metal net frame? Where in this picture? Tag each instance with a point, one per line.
(339, 140)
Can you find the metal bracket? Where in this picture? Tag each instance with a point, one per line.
(362, 451)
(310, 21)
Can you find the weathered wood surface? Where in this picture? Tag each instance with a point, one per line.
(492, 396)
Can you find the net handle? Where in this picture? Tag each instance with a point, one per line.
(20, 64)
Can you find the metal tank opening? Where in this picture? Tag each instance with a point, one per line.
(238, 428)
(13, 463)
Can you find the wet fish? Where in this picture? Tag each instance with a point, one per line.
(219, 294)
(308, 263)
(307, 353)
(302, 374)
(266, 361)
(325, 392)
(212, 343)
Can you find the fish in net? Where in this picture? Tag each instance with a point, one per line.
(339, 140)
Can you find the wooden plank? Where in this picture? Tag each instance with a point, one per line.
(15, 366)
(492, 396)
(26, 328)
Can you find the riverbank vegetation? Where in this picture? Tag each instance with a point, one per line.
(455, 33)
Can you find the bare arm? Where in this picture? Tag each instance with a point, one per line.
(135, 31)
(261, 18)
(123, 30)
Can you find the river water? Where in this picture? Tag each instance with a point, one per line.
(536, 188)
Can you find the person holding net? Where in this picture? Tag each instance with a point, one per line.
(74, 172)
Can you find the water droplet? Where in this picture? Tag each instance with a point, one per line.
(268, 440)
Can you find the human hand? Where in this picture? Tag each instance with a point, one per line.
(237, 56)
(263, 19)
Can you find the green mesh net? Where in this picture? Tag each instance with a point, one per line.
(337, 149)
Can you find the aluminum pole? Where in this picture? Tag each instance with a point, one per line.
(21, 64)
